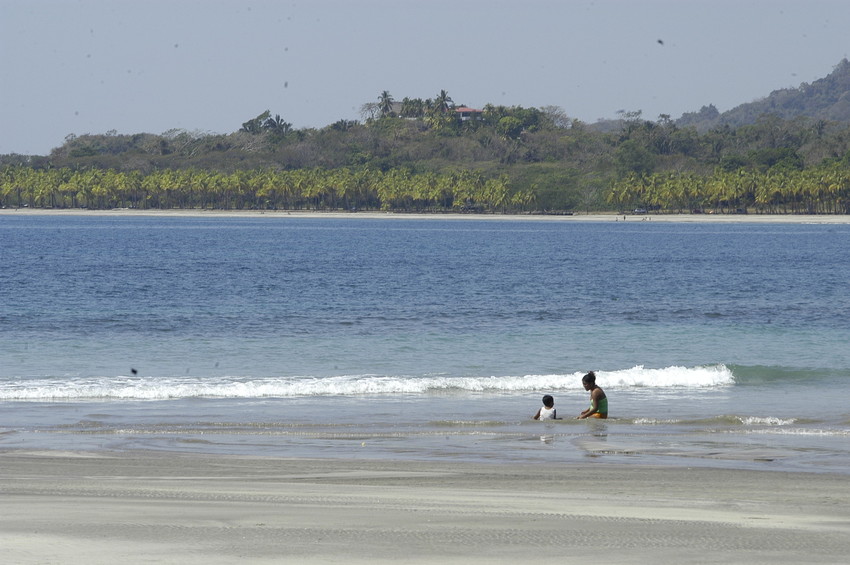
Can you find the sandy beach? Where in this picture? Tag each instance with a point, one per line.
(578, 217)
(138, 507)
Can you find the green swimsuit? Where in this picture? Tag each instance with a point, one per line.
(603, 406)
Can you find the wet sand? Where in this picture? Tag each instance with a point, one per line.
(139, 507)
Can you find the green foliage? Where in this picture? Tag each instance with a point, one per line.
(510, 127)
(255, 126)
(555, 188)
(819, 190)
(777, 157)
(633, 157)
(419, 155)
(360, 188)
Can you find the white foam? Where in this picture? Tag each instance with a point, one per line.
(801, 432)
(692, 377)
(767, 421)
(654, 422)
(161, 388)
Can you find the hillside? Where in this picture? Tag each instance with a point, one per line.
(824, 99)
(789, 152)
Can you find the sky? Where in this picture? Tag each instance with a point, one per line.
(207, 66)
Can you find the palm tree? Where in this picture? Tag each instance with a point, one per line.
(277, 125)
(443, 103)
(412, 108)
(385, 104)
(439, 114)
(255, 126)
(522, 199)
(496, 193)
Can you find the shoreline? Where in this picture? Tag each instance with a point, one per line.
(95, 507)
(579, 217)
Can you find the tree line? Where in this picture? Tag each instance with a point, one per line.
(303, 189)
(818, 190)
(500, 159)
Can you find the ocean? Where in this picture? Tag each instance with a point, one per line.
(718, 344)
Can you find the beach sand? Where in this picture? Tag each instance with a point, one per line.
(579, 217)
(140, 507)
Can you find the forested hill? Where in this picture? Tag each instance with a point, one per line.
(787, 153)
(824, 99)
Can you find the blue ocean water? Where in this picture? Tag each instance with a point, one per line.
(717, 344)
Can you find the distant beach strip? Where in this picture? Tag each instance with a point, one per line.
(595, 217)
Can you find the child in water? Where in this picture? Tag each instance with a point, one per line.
(547, 411)
(598, 400)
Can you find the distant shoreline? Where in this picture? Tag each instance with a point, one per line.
(580, 217)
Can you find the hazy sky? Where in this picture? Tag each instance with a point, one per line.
(91, 66)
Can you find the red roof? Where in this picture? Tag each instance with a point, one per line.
(465, 109)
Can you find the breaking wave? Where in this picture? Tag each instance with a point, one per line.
(167, 387)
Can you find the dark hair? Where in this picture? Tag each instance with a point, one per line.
(548, 401)
(589, 378)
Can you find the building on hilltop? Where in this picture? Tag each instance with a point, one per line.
(465, 113)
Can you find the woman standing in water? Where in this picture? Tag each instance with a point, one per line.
(598, 400)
